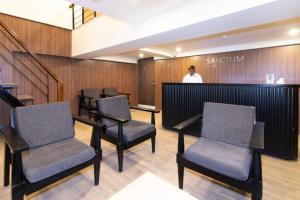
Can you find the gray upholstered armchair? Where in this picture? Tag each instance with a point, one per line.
(120, 129)
(43, 148)
(229, 149)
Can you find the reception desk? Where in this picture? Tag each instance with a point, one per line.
(276, 105)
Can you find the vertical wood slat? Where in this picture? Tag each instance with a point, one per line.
(277, 106)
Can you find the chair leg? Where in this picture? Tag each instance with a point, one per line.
(79, 110)
(180, 176)
(90, 116)
(92, 144)
(17, 193)
(257, 176)
(97, 169)
(255, 197)
(257, 193)
(7, 159)
(153, 144)
(120, 151)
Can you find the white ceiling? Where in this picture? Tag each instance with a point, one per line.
(193, 26)
(156, 27)
(132, 11)
(53, 12)
(272, 34)
(264, 36)
(138, 11)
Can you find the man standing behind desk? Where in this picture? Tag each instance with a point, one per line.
(192, 76)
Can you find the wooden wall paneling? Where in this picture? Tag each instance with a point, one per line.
(16, 67)
(61, 66)
(77, 74)
(79, 79)
(39, 37)
(130, 85)
(283, 61)
(30, 79)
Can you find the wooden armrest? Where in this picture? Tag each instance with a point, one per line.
(257, 139)
(94, 112)
(87, 97)
(13, 139)
(144, 109)
(185, 124)
(124, 93)
(107, 95)
(87, 121)
(114, 118)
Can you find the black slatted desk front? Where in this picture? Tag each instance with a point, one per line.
(276, 105)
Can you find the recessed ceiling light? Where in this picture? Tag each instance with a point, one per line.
(224, 36)
(178, 49)
(294, 32)
(141, 55)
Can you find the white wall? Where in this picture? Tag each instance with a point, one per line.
(53, 12)
(101, 32)
(124, 59)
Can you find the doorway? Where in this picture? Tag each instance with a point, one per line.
(146, 82)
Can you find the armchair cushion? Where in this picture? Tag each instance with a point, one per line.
(232, 124)
(227, 159)
(132, 130)
(43, 162)
(115, 106)
(44, 124)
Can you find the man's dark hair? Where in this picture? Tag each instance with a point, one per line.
(192, 67)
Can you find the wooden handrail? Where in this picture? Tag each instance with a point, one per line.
(12, 33)
(60, 85)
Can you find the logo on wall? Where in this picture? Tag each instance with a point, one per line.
(234, 60)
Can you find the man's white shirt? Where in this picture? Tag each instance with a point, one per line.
(196, 78)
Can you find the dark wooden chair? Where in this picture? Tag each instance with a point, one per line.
(43, 148)
(112, 91)
(87, 100)
(120, 129)
(13, 102)
(229, 148)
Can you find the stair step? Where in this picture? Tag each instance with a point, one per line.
(24, 97)
(8, 85)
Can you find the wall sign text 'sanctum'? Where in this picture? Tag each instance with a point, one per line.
(225, 59)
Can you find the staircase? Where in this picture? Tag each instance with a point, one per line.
(12, 88)
(22, 74)
(81, 15)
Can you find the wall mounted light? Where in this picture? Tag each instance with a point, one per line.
(294, 32)
(178, 49)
